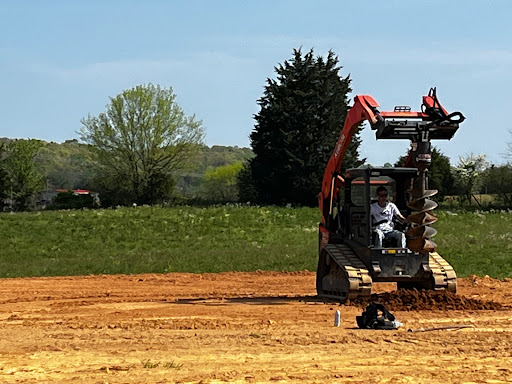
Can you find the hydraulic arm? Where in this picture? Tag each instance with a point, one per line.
(432, 122)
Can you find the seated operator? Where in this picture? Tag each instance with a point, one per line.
(383, 212)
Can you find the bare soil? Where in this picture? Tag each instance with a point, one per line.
(245, 327)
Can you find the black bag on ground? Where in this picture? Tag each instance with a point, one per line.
(376, 316)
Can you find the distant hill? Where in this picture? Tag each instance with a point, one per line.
(188, 181)
(71, 164)
(68, 165)
(219, 155)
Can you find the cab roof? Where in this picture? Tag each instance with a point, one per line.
(392, 172)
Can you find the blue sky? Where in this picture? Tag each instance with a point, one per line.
(61, 61)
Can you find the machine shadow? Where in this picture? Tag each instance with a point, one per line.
(252, 300)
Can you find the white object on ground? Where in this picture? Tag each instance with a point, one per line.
(337, 318)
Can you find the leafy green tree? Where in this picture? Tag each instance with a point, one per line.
(468, 174)
(301, 115)
(141, 140)
(22, 179)
(220, 184)
(497, 180)
(69, 200)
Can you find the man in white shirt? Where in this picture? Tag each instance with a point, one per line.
(383, 212)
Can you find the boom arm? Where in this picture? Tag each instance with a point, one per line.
(364, 108)
(433, 122)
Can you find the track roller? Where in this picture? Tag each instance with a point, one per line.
(341, 276)
(444, 276)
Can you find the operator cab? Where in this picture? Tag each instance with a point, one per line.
(352, 224)
(353, 220)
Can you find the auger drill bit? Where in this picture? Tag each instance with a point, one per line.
(420, 233)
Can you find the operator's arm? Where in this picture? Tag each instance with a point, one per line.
(397, 213)
(404, 219)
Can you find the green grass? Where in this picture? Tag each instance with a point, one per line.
(153, 239)
(215, 239)
(476, 242)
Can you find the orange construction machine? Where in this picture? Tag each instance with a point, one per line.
(348, 260)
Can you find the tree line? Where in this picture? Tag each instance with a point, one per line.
(472, 175)
(145, 150)
(209, 176)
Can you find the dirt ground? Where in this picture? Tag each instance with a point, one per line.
(244, 327)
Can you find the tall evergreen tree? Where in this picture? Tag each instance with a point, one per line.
(302, 113)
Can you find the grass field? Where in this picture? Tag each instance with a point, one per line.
(215, 239)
